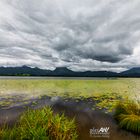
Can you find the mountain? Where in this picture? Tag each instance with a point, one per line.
(63, 71)
(133, 72)
(24, 70)
(60, 71)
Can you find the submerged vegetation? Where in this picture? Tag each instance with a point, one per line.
(107, 92)
(128, 115)
(41, 124)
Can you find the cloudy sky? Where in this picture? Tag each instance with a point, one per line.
(79, 34)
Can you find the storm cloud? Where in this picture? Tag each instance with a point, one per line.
(79, 34)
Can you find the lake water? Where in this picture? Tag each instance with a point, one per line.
(76, 96)
(45, 77)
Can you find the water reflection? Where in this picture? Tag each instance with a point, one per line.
(85, 117)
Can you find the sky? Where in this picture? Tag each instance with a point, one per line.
(78, 34)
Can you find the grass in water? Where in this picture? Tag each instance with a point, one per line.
(128, 116)
(41, 125)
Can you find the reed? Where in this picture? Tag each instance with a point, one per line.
(128, 115)
(41, 124)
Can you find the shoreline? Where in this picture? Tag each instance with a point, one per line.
(85, 117)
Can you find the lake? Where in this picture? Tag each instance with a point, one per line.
(90, 100)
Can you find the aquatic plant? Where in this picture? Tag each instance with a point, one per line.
(106, 92)
(128, 115)
(41, 124)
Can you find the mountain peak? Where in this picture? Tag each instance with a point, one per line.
(135, 68)
(62, 69)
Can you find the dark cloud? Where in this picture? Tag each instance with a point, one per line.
(82, 35)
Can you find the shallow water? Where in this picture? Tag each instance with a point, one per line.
(85, 117)
(71, 95)
(11, 88)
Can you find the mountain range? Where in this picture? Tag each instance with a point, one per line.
(64, 71)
